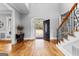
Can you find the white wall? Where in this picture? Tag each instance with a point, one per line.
(15, 21)
(46, 11)
(17, 18)
(5, 13)
(50, 11)
(65, 7)
(41, 10)
(5, 20)
(26, 22)
(6, 29)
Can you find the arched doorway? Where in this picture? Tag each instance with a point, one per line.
(37, 24)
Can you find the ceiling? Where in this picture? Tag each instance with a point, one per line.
(4, 10)
(20, 7)
(3, 7)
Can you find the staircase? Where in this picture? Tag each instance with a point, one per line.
(68, 32)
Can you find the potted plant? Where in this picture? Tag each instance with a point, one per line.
(20, 28)
(20, 34)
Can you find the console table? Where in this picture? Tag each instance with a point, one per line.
(20, 37)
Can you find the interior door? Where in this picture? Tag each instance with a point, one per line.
(46, 30)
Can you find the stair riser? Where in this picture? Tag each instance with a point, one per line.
(76, 34)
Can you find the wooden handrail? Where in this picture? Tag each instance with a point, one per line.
(68, 14)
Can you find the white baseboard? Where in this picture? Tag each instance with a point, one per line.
(53, 38)
(29, 38)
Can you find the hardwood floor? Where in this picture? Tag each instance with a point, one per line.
(5, 46)
(32, 48)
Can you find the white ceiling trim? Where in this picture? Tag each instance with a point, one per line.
(20, 7)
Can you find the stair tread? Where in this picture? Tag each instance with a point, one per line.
(71, 35)
(75, 30)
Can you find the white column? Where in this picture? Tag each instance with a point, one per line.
(13, 40)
